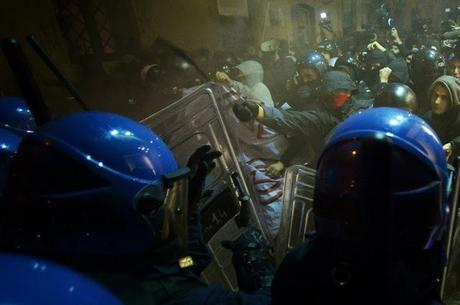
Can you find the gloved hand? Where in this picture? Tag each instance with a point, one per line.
(275, 170)
(222, 77)
(201, 163)
(251, 260)
(246, 110)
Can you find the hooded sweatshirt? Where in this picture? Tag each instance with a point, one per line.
(447, 125)
(252, 85)
(335, 80)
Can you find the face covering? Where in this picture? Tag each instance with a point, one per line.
(340, 99)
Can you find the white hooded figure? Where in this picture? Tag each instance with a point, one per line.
(251, 85)
(259, 147)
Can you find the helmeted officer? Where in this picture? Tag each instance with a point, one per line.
(103, 194)
(380, 205)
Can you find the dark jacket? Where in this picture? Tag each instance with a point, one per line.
(307, 130)
(152, 284)
(321, 272)
(447, 125)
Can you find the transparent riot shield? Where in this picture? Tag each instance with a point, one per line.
(297, 212)
(257, 147)
(450, 281)
(185, 125)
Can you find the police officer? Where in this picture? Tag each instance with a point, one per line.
(453, 61)
(9, 142)
(310, 68)
(380, 204)
(303, 89)
(15, 115)
(329, 50)
(398, 96)
(32, 281)
(103, 194)
(349, 64)
(427, 65)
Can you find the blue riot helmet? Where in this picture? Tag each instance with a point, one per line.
(9, 142)
(90, 184)
(15, 115)
(31, 281)
(16, 121)
(382, 182)
(312, 60)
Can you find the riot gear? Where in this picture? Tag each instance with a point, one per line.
(378, 232)
(428, 63)
(314, 60)
(328, 46)
(455, 53)
(29, 280)
(16, 121)
(351, 182)
(453, 61)
(250, 259)
(89, 184)
(9, 142)
(398, 96)
(349, 64)
(426, 66)
(16, 116)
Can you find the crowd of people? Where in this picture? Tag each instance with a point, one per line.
(307, 95)
(104, 195)
(300, 99)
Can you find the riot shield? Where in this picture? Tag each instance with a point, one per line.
(257, 147)
(185, 125)
(450, 281)
(297, 211)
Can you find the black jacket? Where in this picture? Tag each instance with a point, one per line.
(308, 130)
(321, 272)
